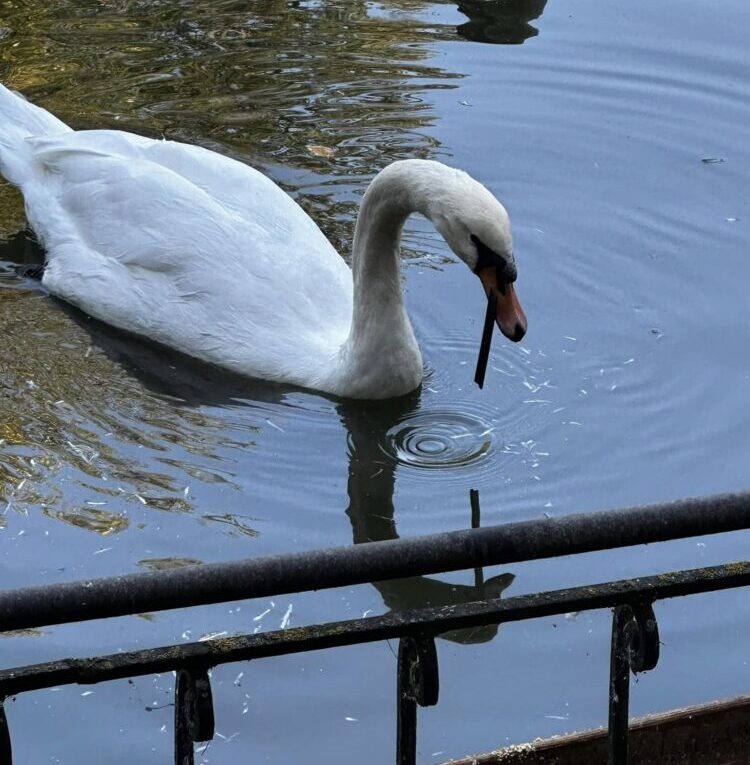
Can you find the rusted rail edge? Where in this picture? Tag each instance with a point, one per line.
(421, 622)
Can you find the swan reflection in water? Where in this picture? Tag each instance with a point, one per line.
(371, 471)
(371, 512)
(500, 21)
(371, 476)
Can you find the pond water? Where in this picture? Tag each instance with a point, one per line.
(615, 134)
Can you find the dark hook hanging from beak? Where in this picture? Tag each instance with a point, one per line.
(484, 347)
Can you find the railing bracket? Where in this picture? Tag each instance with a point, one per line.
(6, 754)
(193, 713)
(418, 683)
(635, 648)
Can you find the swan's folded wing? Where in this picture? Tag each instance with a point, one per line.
(237, 187)
(134, 243)
(129, 241)
(195, 195)
(126, 208)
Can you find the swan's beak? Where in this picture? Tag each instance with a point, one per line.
(510, 317)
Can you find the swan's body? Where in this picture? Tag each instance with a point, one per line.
(206, 255)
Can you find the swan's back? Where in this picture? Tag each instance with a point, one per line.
(178, 243)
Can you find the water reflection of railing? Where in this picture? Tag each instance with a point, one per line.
(635, 641)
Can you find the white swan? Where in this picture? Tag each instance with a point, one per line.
(206, 255)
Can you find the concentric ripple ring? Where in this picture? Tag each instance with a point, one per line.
(439, 440)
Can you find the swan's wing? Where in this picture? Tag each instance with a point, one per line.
(234, 185)
(142, 246)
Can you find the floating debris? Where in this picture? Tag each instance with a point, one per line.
(713, 160)
(86, 453)
(287, 616)
(91, 519)
(234, 521)
(320, 151)
(212, 636)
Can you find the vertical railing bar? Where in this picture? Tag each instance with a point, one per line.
(6, 752)
(635, 648)
(619, 688)
(475, 523)
(184, 751)
(406, 715)
(418, 683)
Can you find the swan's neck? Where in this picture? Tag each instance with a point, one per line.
(381, 351)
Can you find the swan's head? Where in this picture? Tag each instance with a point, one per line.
(477, 228)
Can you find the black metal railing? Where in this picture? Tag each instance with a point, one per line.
(635, 642)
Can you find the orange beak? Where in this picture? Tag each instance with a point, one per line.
(510, 317)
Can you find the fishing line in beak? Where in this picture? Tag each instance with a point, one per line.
(484, 347)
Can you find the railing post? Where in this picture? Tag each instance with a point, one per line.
(475, 524)
(635, 647)
(193, 713)
(418, 683)
(6, 753)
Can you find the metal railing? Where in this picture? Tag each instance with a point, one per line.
(635, 641)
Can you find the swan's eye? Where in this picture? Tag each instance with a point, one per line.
(488, 258)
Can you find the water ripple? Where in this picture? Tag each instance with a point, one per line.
(439, 440)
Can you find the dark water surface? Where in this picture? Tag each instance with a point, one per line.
(631, 386)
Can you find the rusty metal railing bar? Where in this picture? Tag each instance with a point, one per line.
(373, 561)
(422, 622)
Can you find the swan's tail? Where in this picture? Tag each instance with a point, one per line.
(20, 120)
